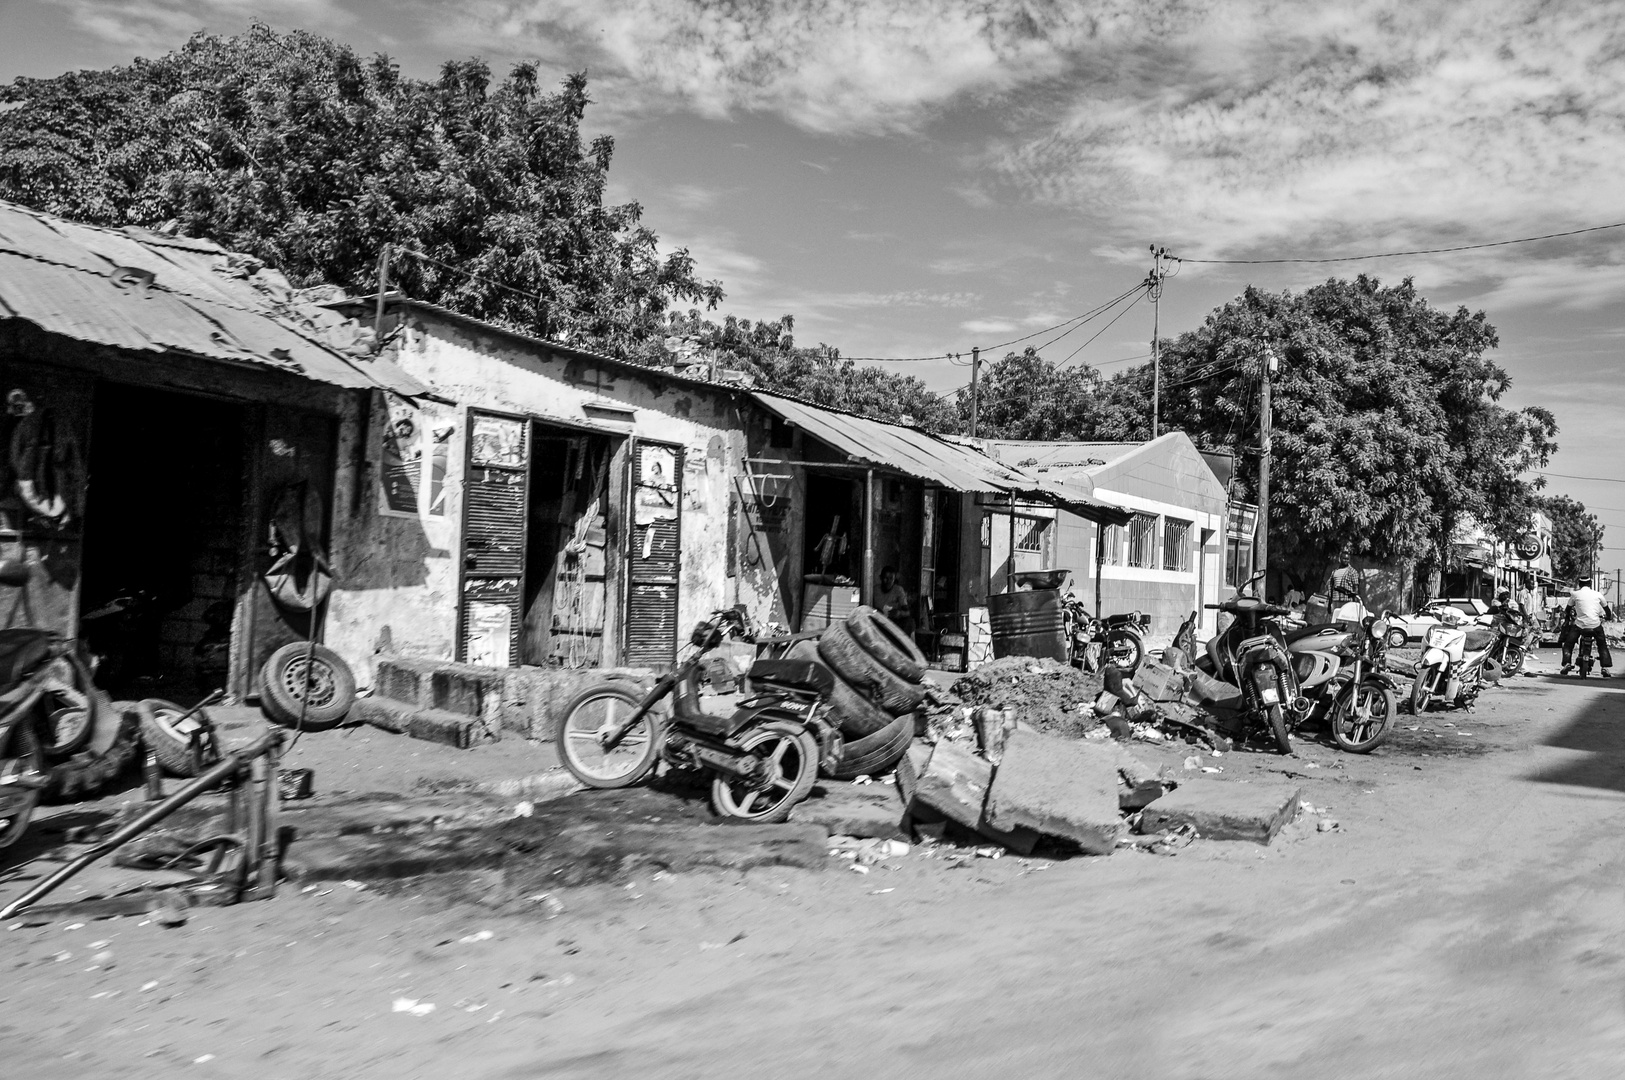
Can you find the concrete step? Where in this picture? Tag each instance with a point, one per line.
(451, 728)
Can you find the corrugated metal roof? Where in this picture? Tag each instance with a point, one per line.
(90, 284)
(941, 461)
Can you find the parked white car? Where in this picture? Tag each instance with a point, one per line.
(1455, 609)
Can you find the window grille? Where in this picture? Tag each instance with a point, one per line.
(1176, 545)
(1142, 538)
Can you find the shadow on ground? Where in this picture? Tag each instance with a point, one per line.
(1598, 730)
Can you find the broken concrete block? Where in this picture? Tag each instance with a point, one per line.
(451, 728)
(387, 714)
(909, 769)
(407, 681)
(845, 809)
(1224, 810)
(1059, 787)
(954, 783)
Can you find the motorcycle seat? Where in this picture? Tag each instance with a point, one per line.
(21, 650)
(1479, 638)
(1308, 631)
(804, 675)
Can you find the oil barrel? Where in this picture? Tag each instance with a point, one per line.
(1028, 623)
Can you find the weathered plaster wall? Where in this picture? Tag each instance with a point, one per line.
(400, 590)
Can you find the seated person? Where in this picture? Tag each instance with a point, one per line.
(893, 601)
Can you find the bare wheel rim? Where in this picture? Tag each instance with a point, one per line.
(582, 738)
(68, 707)
(1366, 715)
(323, 687)
(782, 750)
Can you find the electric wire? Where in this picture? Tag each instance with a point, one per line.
(1142, 290)
(1603, 479)
(1395, 254)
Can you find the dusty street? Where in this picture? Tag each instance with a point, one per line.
(1467, 919)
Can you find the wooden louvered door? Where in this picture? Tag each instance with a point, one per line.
(496, 492)
(654, 556)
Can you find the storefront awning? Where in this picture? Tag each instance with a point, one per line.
(922, 455)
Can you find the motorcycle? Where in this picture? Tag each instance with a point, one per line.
(1514, 633)
(1340, 671)
(49, 710)
(1455, 665)
(1251, 674)
(1117, 640)
(763, 757)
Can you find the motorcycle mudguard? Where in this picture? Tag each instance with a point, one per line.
(1434, 658)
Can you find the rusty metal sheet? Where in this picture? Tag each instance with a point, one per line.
(201, 300)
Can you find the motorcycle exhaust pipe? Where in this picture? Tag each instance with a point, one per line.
(1452, 689)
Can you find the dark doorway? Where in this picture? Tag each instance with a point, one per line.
(163, 540)
(565, 549)
(834, 542)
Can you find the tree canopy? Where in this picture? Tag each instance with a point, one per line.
(1388, 431)
(1026, 396)
(1575, 536)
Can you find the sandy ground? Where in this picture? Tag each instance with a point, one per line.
(1467, 919)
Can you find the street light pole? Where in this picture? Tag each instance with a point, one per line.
(1265, 422)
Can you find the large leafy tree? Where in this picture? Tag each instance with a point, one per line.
(1576, 534)
(767, 351)
(292, 148)
(1388, 428)
(1026, 396)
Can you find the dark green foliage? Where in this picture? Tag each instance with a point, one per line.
(1575, 536)
(292, 148)
(1025, 396)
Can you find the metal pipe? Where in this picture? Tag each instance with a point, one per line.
(228, 766)
(869, 537)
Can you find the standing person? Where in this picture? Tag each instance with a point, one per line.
(1586, 609)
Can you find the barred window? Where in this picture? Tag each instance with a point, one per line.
(1176, 545)
(1030, 533)
(1111, 543)
(1142, 540)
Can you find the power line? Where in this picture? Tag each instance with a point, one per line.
(1142, 289)
(1394, 254)
(1079, 319)
(1603, 479)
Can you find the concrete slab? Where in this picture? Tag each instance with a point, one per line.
(954, 783)
(1058, 787)
(845, 809)
(1224, 810)
(383, 713)
(451, 728)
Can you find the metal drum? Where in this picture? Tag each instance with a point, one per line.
(1029, 623)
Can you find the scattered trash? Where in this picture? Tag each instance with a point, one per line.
(1312, 765)
(1193, 763)
(74, 926)
(524, 809)
(104, 960)
(351, 884)
(858, 868)
(866, 852)
(170, 911)
(1212, 768)
(206, 1058)
(153, 985)
(552, 907)
(1326, 825)
(859, 781)
(1099, 733)
(469, 939)
(877, 892)
(62, 956)
(988, 852)
(413, 1006)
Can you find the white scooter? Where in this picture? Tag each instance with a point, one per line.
(1455, 665)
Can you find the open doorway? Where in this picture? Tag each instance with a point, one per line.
(163, 540)
(565, 556)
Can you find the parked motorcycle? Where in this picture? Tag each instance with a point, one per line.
(1340, 670)
(1253, 677)
(1118, 640)
(763, 757)
(50, 710)
(1455, 665)
(1514, 633)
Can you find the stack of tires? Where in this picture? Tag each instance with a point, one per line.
(879, 676)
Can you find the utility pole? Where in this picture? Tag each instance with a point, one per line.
(975, 372)
(1264, 423)
(383, 286)
(1154, 288)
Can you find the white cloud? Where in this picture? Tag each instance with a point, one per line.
(154, 27)
(988, 326)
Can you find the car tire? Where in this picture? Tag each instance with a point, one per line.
(875, 754)
(856, 714)
(171, 745)
(886, 642)
(282, 687)
(115, 739)
(842, 654)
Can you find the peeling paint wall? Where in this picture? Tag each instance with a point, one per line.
(399, 575)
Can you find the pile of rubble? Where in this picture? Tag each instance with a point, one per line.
(1052, 697)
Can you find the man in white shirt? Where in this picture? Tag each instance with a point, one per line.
(1588, 606)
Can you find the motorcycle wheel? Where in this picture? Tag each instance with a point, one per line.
(589, 713)
(792, 756)
(1276, 715)
(1514, 660)
(1396, 638)
(1421, 690)
(1362, 717)
(1123, 650)
(22, 754)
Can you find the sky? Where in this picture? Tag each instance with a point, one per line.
(916, 177)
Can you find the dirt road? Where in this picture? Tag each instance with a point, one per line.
(1467, 919)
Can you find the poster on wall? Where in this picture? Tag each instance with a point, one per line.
(402, 467)
(490, 630)
(499, 441)
(439, 455)
(655, 497)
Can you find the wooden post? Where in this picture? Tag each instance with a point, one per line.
(1100, 560)
(1010, 563)
(383, 287)
(1262, 547)
(869, 537)
(975, 371)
